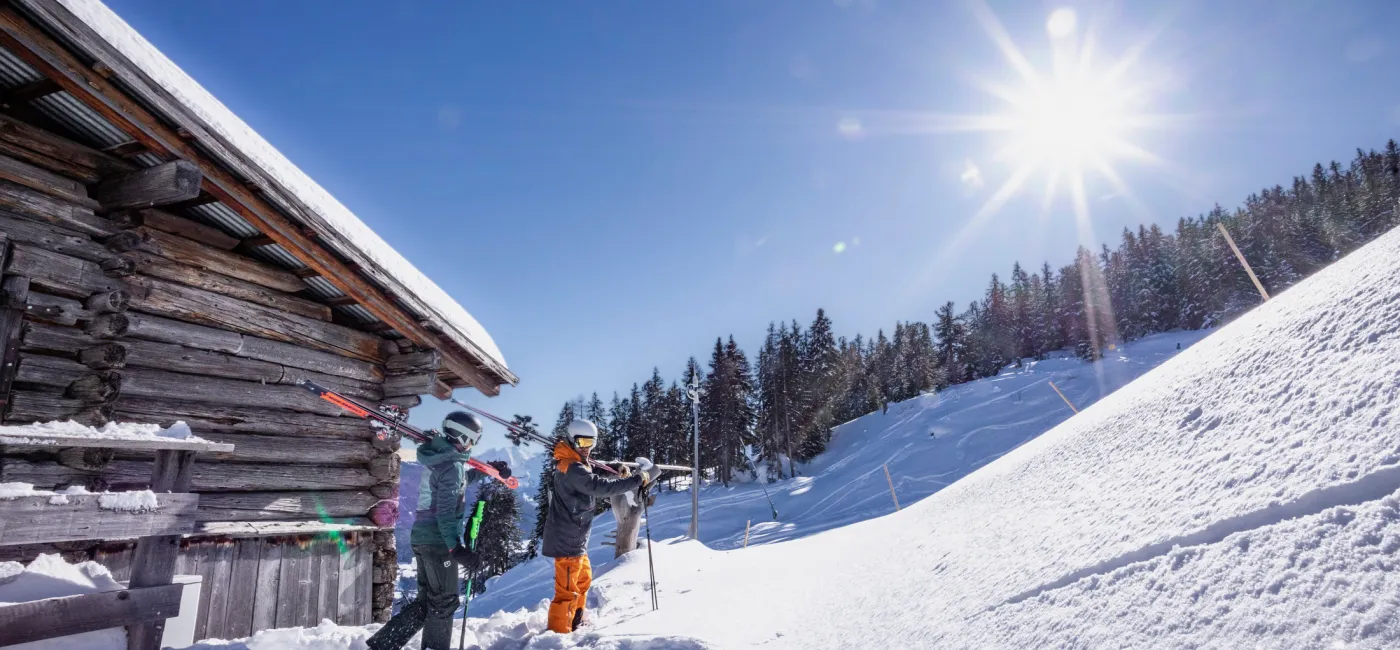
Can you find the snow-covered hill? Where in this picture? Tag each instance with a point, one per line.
(927, 443)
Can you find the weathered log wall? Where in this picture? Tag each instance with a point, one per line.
(122, 312)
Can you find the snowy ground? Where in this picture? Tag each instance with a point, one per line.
(1246, 493)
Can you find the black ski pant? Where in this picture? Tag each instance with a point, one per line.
(431, 610)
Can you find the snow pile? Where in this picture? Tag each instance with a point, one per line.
(48, 576)
(59, 498)
(46, 432)
(326, 636)
(137, 501)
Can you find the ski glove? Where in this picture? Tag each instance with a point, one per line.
(501, 468)
(646, 469)
(467, 558)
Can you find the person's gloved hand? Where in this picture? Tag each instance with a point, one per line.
(467, 558)
(501, 468)
(646, 469)
(624, 472)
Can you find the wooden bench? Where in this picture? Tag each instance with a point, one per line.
(150, 597)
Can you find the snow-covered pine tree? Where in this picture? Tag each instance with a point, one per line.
(498, 540)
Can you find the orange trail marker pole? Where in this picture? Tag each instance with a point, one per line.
(891, 482)
(1240, 256)
(1062, 396)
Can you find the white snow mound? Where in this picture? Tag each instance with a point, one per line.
(49, 576)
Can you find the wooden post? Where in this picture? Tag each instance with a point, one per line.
(746, 532)
(153, 562)
(1240, 256)
(891, 482)
(1062, 396)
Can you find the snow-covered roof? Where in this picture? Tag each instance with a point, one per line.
(148, 74)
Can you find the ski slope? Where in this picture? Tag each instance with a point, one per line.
(1243, 494)
(928, 443)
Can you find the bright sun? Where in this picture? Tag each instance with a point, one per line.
(1063, 124)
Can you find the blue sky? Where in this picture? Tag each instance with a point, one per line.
(608, 186)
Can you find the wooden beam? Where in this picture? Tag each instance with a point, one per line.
(289, 528)
(204, 198)
(188, 228)
(159, 267)
(43, 180)
(342, 301)
(31, 91)
(208, 477)
(256, 241)
(38, 205)
(153, 560)
(56, 153)
(306, 272)
(45, 519)
(66, 276)
(126, 149)
(56, 617)
(54, 60)
(242, 419)
(172, 182)
(270, 506)
(193, 253)
(61, 441)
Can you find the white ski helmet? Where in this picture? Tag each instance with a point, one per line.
(582, 429)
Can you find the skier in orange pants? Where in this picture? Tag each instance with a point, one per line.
(570, 517)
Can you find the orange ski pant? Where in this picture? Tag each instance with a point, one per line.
(572, 577)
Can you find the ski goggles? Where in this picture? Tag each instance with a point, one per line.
(584, 443)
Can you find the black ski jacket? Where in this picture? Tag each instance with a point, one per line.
(572, 499)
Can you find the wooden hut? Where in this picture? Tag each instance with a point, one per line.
(162, 262)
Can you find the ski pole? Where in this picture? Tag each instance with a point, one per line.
(651, 566)
(467, 591)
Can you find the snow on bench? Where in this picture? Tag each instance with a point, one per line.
(124, 435)
(82, 598)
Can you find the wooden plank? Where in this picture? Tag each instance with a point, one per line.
(55, 617)
(285, 505)
(117, 558)
(294, 356)
(268, 583)
(151, 383)
(352, 603)
(243, 583)
(219, 583)
(414, 362)
(56, 440)
(165, 269)
(56, 153)
(212, 418)
(165, 221)
(208, 477)
(61, 274)
(209, 418)
(36, 520)
(244, 529)
(43, 234)
(201, 553)
(175, 358)
(417, 384)
(328, 578)
(248, 448)
(28, 406)
(172, 182)
(11, 333)
(31, 91)
(37, 205)
(54, 60)
(126, 149)
(40, 179)
(44, 370)
(165, 330)
(189, 304)
(153, 562)
(193, 253)
(56, 309)
(294, 586)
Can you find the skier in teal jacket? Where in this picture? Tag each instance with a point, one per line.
(436, 537)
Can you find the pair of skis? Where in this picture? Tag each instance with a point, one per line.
(384, 421)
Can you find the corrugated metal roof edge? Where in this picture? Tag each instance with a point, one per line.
(287, 201)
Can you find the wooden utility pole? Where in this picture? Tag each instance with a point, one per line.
(1062, 396)
(1240, 256)
(891, 482)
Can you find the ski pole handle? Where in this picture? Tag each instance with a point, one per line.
(488, 470)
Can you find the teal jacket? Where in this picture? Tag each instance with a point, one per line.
(440, 512)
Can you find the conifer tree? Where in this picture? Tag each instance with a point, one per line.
(498, 539)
